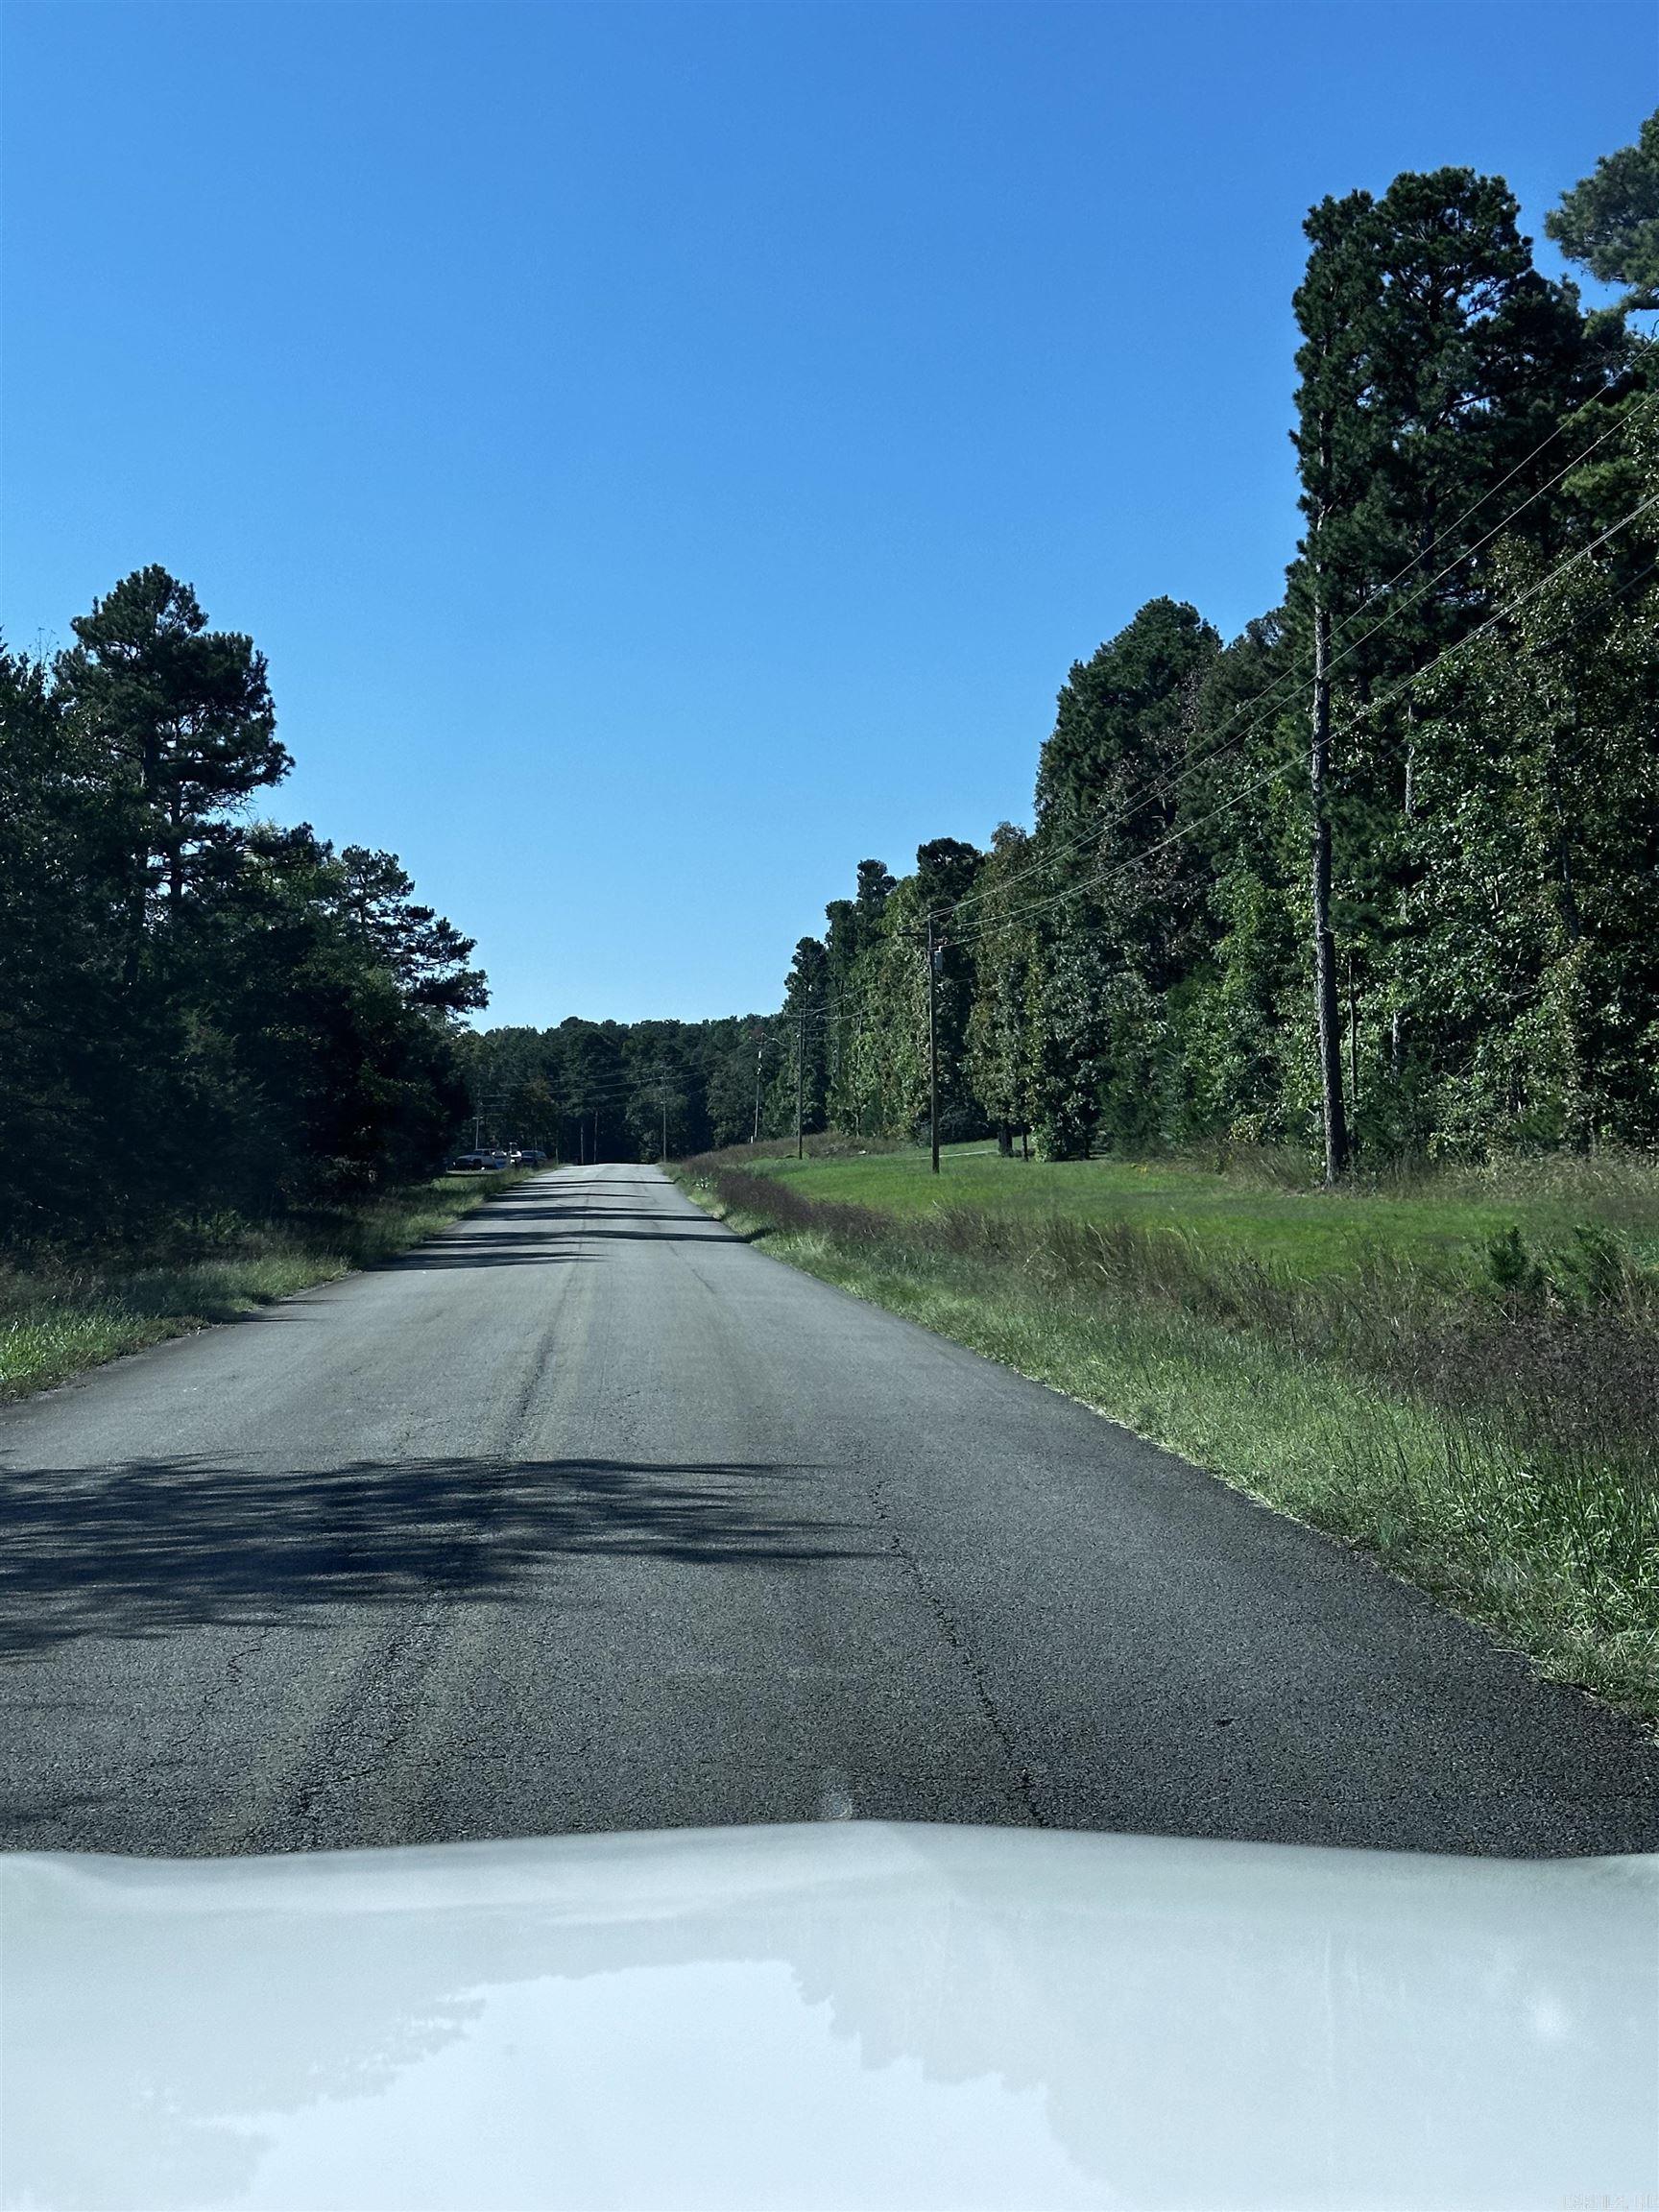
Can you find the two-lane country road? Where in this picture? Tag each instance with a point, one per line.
(588, 1515)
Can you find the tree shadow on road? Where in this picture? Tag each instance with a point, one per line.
(529, 1251)
(506, 1221)
(550, 1236)
(155, 1546)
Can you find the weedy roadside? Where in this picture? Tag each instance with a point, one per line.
(61, 1312)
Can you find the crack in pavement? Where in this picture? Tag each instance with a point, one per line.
(1026, 1789)
(378, 1705)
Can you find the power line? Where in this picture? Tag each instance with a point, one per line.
(1162, 786)
(630, 1089)
(1169, 782)
(1280, 769)
(1284, 768)
(1371, 708)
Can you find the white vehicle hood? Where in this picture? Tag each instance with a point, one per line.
(845, 2015)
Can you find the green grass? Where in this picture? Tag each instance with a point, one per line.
(59, 1318)
(1440, 1223)
(1352, 1361)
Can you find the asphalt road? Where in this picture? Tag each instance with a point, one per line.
(588, 1515)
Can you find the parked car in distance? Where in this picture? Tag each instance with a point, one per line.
(482, 1163)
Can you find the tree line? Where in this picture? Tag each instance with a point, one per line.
(595, 1090)
(201, 1014)
(1381, 873)
(1378, 877)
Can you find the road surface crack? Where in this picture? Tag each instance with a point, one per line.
(1025, 1786)
(356, 1743)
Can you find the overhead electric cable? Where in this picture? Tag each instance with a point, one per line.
(1111, 820)
(1164, 786)
(827, 1016)
(1371, 708)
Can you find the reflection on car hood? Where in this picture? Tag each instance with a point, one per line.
(844, 2015)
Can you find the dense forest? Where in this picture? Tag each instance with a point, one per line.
(201, 1013)
(1379, 877)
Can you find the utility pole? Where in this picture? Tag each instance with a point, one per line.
(932, 1046)
(800, 1078)
(664, 1126)
(1324, 950)
(759, 1050)
(485, 1109)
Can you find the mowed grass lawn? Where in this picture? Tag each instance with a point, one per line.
(1441, 1224)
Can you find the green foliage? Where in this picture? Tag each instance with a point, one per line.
(1123, 714)
(1122, 913)
(999, 1064)
(592, 1090)
(1591, 1273)
(198, 1012)
(1595, 1270)
(1136, 973)
(1514, 1272)
(57, 1317)
(1609, 224)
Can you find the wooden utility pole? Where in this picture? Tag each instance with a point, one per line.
(800, 1078)
(664, 1128)
(759, 1050)
(932, 1046)
(1324, 950)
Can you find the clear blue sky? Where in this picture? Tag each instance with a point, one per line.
(668, 453)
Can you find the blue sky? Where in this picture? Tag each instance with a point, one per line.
(668, 453)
